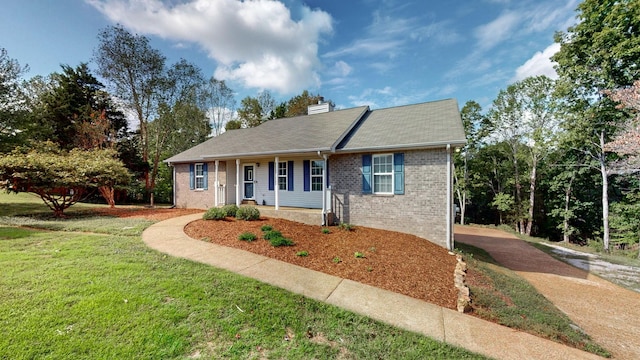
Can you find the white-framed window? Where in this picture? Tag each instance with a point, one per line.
(282, 175)
(199, 176)
(383, 174)
(317, 168)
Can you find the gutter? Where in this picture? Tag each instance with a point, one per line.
(449, 232)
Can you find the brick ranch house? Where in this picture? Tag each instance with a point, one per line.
(386, 168)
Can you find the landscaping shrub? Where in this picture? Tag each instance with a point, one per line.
(230, 209)
(247, 236)
(248, 213)
(346, 226)
(214, 213)
(326, 231)
(271, 234)
(281, 241)
(266, 228)
(302, 253)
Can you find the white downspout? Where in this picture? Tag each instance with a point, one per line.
(238, 182)
(449, 201)
(276, 186)
(216, 185)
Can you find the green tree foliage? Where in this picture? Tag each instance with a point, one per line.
(254, 111)
(600, 52)
(12, 116)
(135, 74)
(220, 104)
(233, 125)
(76, 107)
(475, 124)
(61, 178)
(297, 105)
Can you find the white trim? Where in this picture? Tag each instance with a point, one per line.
(276, 187)
(373, 174)
(238, 182)
(216, 184)
(196, 176)
(324, 188)
(285, 176)
(173, 170)
(321, 176)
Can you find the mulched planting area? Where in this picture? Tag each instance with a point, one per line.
(390, 260)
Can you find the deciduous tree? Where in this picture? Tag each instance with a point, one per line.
(61, 178)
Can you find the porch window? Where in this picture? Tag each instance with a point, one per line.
(316, 175)
(282, 175)
(199, 175)
(383, 174)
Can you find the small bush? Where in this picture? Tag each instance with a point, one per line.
(326, 231)
(215, 213)
(247, 236)
(271, 234)
(302, 253)
(336, 260)
(346, 226)
(281, 241)
(247, 213)
(358, 255)
(230, 209)
(266, 228)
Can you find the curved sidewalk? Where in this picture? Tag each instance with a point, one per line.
(398, 310)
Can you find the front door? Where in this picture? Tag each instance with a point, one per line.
(248, 182)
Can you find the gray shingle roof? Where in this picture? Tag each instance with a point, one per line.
(289, 135)
(429, 124)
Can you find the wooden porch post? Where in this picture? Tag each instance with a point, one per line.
(276, 185)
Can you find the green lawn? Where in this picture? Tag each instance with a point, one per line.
(66, 294)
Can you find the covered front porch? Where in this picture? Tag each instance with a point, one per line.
(302, 215)
(294, 187)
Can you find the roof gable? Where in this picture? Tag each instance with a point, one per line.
(430, 124)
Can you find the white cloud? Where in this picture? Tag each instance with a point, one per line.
(539, 64)
(495, 32)
(255, 42)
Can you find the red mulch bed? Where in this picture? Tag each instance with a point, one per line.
(394, 261)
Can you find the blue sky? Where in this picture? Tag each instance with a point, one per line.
(354, 52)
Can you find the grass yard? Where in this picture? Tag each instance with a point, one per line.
(87, 287)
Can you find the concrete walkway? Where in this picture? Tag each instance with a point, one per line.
(608, 313)
(398, 310)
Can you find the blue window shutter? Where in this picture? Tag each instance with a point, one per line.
(206, 175)
(290, 175)
(192, 176)
(272, 169)
(398, 173)
(366, 173)
(306, 167)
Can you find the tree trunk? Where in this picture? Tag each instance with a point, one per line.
(520, 220)
(532, 194)
(605, 195)
(107, 193)
(565, 220)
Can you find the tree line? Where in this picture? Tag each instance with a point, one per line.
(559, 158)
(552, 158)
(171, 107)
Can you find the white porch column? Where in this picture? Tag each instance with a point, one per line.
(216, 184)
(449, 240)
(238, 182)
(324, 190)
(276, 186)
